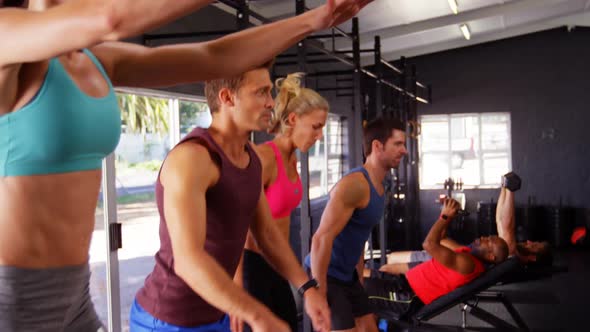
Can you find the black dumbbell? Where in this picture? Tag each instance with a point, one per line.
(511, 181)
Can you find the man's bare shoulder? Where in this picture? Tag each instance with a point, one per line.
(352, 190)
(190, 161)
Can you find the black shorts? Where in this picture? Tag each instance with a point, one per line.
(347, 300)
(268, 287)
(391, 297)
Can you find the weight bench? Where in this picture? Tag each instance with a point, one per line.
(469, 296)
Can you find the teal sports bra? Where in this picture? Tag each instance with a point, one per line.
(61, 130)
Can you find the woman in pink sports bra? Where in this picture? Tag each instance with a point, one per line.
(300, 115)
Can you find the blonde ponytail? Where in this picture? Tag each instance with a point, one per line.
(292, 98)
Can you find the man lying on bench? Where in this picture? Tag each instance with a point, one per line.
(447, 270)
(529, 252)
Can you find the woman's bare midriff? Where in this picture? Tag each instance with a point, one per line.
(47, 220)
(283, 224)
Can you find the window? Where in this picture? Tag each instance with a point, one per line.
(472, 147)
(144, 144)
(326, 160)
(193, 114)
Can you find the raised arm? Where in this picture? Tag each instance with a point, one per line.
(349, 193)
(505, 221)
(185, 211)
(138, 66)
(32, 35)
(432, 244)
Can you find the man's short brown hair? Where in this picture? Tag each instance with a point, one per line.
(213, 87)
(380, 129)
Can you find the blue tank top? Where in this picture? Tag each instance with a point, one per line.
(349, 244)
(61, 130)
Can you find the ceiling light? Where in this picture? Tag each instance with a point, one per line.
(465, 30)
(454, 6)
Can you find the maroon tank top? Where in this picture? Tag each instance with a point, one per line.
(231, 204)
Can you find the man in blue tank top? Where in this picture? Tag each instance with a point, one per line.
(355, 206)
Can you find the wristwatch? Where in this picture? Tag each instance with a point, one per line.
(444, 216)
(309, 284)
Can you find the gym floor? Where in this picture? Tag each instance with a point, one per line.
(556, 303)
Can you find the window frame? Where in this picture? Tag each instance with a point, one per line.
(326, 183)
(448, 152)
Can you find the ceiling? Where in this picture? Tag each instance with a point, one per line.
(416, 27)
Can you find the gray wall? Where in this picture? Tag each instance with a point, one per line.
(542, 79)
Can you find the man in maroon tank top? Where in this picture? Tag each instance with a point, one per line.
(399, 295)
(209, 194)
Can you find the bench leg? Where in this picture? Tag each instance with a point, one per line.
(464, 316)
(491, 319)
(514, 314)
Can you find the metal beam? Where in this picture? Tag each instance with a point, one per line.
(337, 88)
(356, 151)
(323, 36)
(342, 59)
(330, 73)
(179, 35)
(109, 195)
(389, 65)
(242, 15)
(293, 63)
(391, 85)
(306, 230)
(378, 84)
(413, 190)
(294, 55)
(236, 5)
(378, 114)
(343, 33)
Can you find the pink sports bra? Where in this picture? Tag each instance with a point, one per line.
(282, 195)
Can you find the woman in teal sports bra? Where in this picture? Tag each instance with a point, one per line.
(300, 115)
(59, 118)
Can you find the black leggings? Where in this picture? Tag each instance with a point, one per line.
(262, 282)
(391, 296)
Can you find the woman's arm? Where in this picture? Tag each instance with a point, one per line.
(231, 55)
(31, 35)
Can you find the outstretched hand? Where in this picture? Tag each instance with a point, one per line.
(335, 12)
